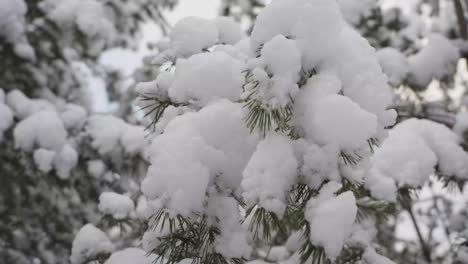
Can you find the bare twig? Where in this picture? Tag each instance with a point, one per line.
(462, 23)
(426, 250)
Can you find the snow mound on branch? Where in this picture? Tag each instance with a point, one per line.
(329, 118)
(89, 16)
(65, 161)
(117, 205)
(44, 129)
(213, 144)
(193, 35)
(233, 241)
(44, 159)
(73, 116)
(23, 106)
(282, 57)
(206, 76)
(318, 163)
(335, 121)
(277, 75)
(109, 132)
(270, 173)
(331, 218)
(394, 64)
(333, 48)
(229, 31)
(13, 27)
(436, 60)
(89, 243)
(96, 168)
(130, 255)
(415, 147)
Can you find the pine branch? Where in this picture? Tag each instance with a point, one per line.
(309, 252)
(407, 205)
(305, 75)
(265, 223)
(379, 210)
(189, 237)
(156, 109)
(263, 119)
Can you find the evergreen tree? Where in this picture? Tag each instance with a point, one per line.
(291, 147)
(55, 160)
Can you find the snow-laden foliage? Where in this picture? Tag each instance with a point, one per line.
(315, 137)
(279, 136)
(56, 157)
(287, 132)
(53, 171)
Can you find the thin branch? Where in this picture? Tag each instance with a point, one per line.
(462, 23)
(426, 250)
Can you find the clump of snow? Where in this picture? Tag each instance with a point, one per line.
(157, 88)
(233, 240)
(415, 147)
(436, 60)
(330, 118)
(89, 16)
(96, 168)
(394, 64)
(130, 255)
(192, 35)
(65, 161)
(89, 243)
(205, 152)
(204, 77)
(12, 19)
(23, 106)
(270, 173)
(295, 241)
(44, 129)
(229, 31)
(273, 54)
(13, 27)
(109, 132)
(319, 164)
(334, 121)
(277, 75)
(333, 46)
(73, 116)
(117, 205)
(44, 159)
(331, 218)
